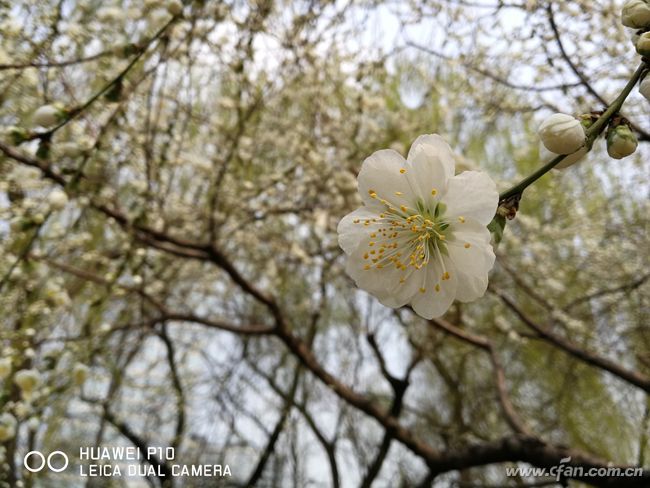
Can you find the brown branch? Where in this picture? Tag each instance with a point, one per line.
(576, 351)
(289, 401)
(511, 415)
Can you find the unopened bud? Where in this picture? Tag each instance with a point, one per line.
(644, 87)
(621, 142)
(643, 44)
(571, 159)
(636, 14)
(562, 134)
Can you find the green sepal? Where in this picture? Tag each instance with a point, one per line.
(496, 228)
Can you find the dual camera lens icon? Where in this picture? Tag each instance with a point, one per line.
(35, 461)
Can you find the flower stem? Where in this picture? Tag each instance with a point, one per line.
(591, 134)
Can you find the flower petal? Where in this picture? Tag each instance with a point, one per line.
(380, 174)
(379, 282)
(351, 233)
(471, 252)
(471, 194)
(431, 164)
(403, 293)
(434, 302)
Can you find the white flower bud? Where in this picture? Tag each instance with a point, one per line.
(621, 142)
(57, 200)
(644, 88)
(643, 44)
(7, 427)
(5, 368)
(27, 380)
(636, 14)
(79, 374)
(175, 7)
(48, 115)
(562, 134)
(572, 159)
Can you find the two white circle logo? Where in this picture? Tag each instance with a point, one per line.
(29, 466)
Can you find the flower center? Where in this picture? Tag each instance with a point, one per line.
(407, 238)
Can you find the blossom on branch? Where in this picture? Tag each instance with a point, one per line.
(562, 134)
(421, 237)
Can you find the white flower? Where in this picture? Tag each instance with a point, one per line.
(644, 87)
(57, 199)
(27, 380)
(7, 427)
(621, 142)
(636, 14)
(562, 134)
(5, 368)
(47, 115)
(175, 7)
(421, 236)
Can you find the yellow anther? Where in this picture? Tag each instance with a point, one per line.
(356, 221)
(403, 208)
(437, 287)
(365, 256)
(461, 219)
(371, 244)
(402, 170)
(467, 245)
(398, 193)
(434, 192)
(372, 252)
(422, 290)
(445, 275)
(366, 267)
(402, 280)
(370, 192)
